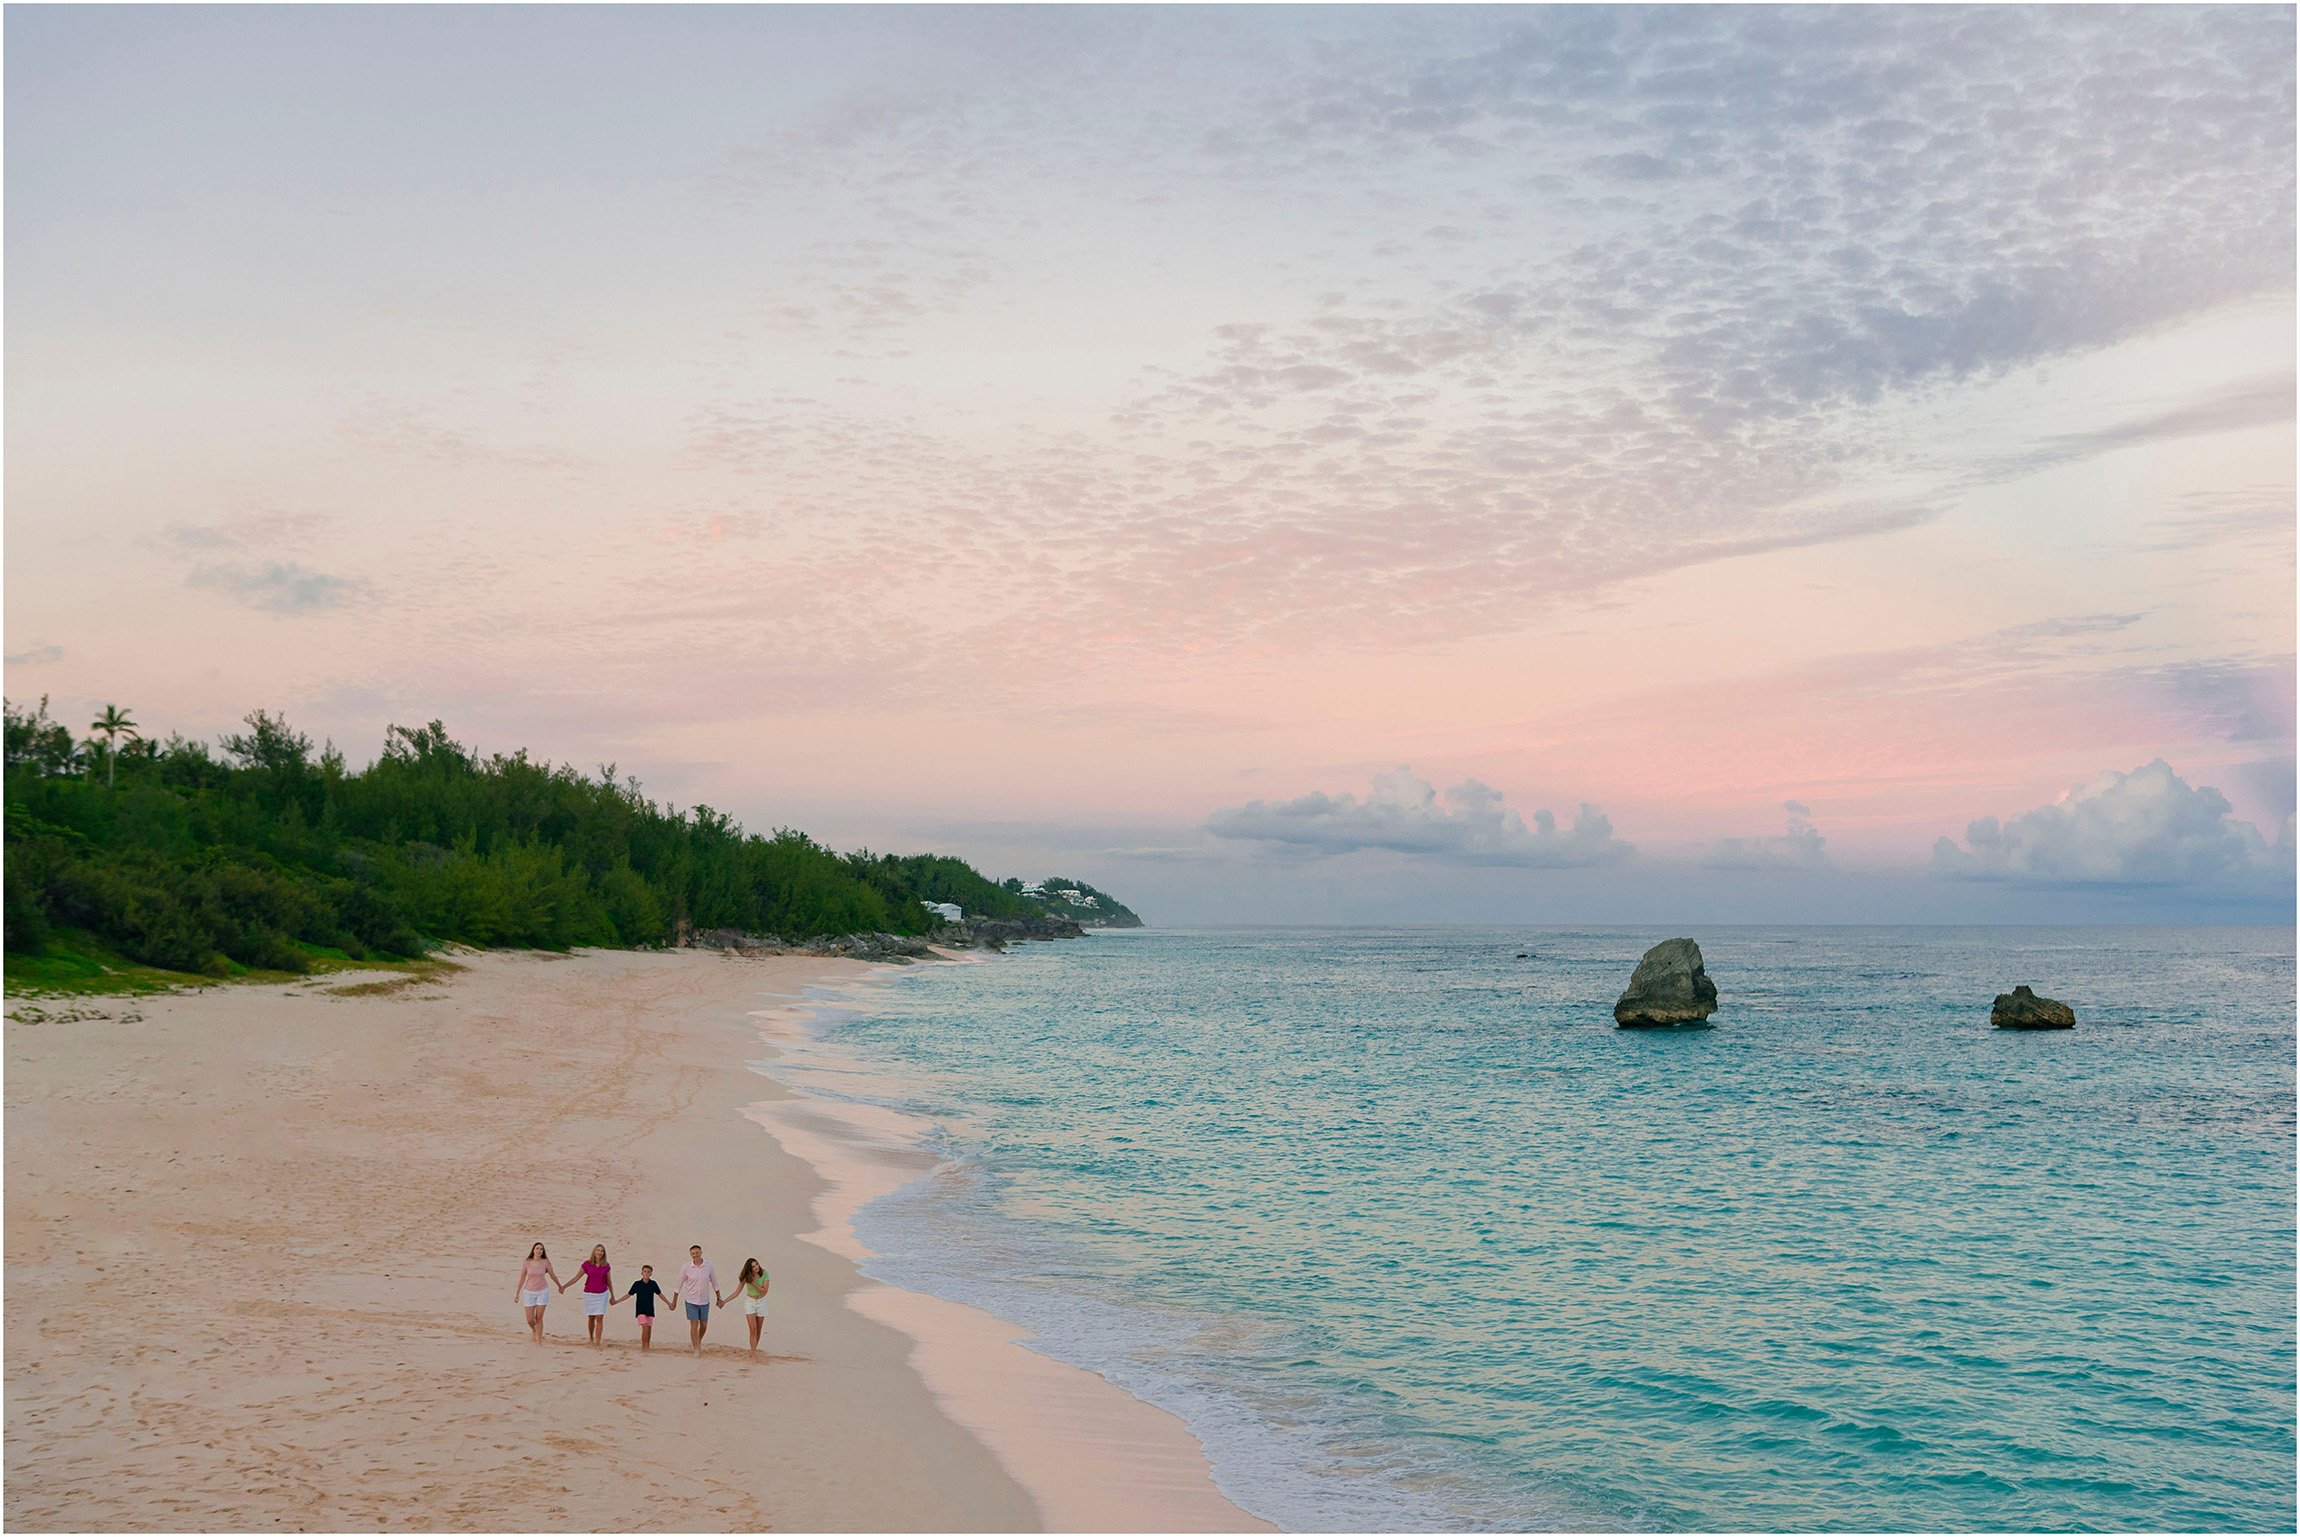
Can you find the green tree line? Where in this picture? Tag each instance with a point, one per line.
(261, 852)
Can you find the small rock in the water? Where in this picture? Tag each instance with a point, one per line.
(1521, 955)
(2022, 1009)
(1668, 988)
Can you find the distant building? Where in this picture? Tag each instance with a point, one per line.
(1073, 894)
(1035, 889)
(948, 912)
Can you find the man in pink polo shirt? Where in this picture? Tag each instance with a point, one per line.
(698, 1284)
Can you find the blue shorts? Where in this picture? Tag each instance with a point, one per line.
(698, 1312)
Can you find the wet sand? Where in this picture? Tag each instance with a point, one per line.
(262, 1243)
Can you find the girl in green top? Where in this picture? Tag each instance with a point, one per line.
(751, 1286)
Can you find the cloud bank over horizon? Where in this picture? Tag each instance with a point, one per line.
(2146, 828)
(1405, 814)
(1798, 846)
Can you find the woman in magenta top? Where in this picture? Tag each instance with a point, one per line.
(598, 1286)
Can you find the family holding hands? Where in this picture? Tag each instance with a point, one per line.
(697, 1290)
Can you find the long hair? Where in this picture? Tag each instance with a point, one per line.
(751, 1267)
(539, 1252)
(598, 1254)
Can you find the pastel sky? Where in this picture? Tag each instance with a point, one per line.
(1564, 465)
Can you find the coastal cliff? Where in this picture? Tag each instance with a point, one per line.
(1085, 905)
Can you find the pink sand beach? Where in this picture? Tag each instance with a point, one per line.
(262, 1241)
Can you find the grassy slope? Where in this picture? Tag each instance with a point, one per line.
(75, 964)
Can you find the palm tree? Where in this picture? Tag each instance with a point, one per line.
(111, 726)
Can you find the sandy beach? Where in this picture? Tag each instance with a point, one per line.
(262, 1242)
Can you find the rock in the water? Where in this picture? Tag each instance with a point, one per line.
(2022, 1009)
(1668, 988)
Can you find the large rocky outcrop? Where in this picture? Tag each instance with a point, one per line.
(1668, 989)
(2022, 1009)
(899, 948)
(998, 933)
(969, 934)
(729, 939)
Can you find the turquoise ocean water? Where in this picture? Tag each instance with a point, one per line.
(1413, 1238)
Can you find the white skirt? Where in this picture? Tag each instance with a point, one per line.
(595, 1303)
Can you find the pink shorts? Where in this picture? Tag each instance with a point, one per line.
(646, 1320)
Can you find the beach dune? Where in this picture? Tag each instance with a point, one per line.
(261, 1245)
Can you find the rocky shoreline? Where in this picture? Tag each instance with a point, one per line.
(900, 949)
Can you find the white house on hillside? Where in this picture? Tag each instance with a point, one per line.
(947, 911)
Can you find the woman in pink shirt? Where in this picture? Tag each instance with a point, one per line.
(598, 1286)
(535, 1281)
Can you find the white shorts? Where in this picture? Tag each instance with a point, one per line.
(535, 1299)
(755, 1307)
